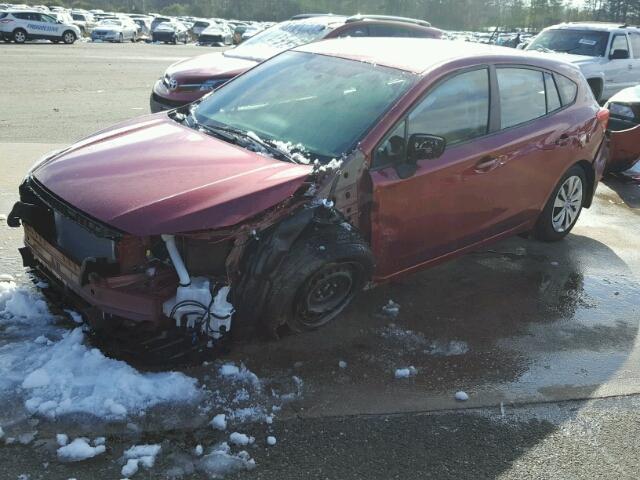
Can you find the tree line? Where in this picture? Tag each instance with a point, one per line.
(447, 14)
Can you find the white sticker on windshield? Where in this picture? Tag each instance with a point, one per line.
(586, 41)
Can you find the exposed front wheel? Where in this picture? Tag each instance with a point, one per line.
(563, 208)
(319, 277)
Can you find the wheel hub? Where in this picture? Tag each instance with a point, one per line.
(567, 204)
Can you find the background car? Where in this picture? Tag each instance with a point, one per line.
(144, 27)
(170, 32)
(216, 33)
(624, 129)
(115, 30)
(22, 25)
(608, 54)
(84, 21)
(188, 80)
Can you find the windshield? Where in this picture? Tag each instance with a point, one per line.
(281, 37)
(578, 42)
(323, 105)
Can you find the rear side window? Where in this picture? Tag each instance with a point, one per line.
(356, 31)
(2, 15)
(567, 88)
(457, 109)
(553, 98)
(522, 95)
(635, 44)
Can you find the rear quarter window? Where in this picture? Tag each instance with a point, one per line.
(2, 15)
(520, 87)
(567, 89)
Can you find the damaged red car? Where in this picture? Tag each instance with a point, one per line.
(328, 168)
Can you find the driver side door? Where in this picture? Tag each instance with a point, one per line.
(444, 204)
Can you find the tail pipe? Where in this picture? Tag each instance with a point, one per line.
(176, 259)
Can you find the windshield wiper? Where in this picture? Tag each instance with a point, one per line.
(267, 145)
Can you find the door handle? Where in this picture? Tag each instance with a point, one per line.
(486, 164)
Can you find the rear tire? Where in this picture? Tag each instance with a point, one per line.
(323, 271)
(19, 35)
(563, 208)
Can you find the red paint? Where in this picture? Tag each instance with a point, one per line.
(154, 176)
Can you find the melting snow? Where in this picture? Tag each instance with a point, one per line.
(405, 372)
(271, 441)
(461, 396)
(138, 455)
(221, 462)
(240, 439)
(55, 373)
(79, 450)
(219, 422)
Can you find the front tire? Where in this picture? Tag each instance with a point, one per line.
(68, 37)
(19, 35)
(563, 208)
(322, 273)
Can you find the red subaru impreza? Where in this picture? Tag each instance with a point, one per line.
(342, 163)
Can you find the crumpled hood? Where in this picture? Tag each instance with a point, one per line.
(151, 175)
(210, 65)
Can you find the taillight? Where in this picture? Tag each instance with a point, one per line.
(603, 117)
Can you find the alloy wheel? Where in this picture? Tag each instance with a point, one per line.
(19, 37)
(567, 204)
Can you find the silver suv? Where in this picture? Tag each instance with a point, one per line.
(608, 54)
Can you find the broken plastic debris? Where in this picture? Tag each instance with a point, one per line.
(461, 396)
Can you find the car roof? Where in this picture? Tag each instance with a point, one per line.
(418, 55)
(596, 26)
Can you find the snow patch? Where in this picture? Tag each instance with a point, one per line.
(405, 372)
(58, 374)
(391, 309)
(221, 462)
(139, 455)
(271, 440)
(240, 439)
(62, 439)
(219, 422)
(79, 450)
(461, 396)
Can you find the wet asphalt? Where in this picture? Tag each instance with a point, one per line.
(548, 331)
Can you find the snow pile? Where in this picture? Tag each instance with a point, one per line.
(405, 372)
(57, 374)
(240, 439)
(79, 450)
(461, 396)
(219, 422)
(139, 455)
(221, 462)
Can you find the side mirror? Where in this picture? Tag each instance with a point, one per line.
(619, 54)
(424, 147)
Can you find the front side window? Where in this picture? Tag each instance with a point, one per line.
(620, 42)
(522, 95)
(325, 104)
(457, 109)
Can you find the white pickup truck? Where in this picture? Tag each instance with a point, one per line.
(608, 54)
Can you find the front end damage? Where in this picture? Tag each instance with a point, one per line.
(197, 286)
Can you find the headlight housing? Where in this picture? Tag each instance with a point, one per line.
(620, 110)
